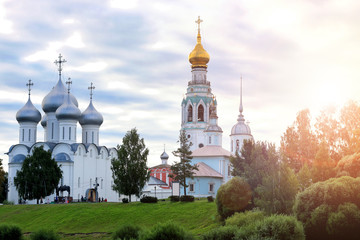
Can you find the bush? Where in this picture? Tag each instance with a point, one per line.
(232, 197)
(316, 204)
(221, 233)
(127, 232)
(148, 199)
(280, 227)
(174, 198)
(125, 200)
(44, 234)
(210, 198)
(10, 232)
(244, 218)
(6, 202)
(167, 231)
(187, 198)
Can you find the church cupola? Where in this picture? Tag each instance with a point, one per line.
(164, 158)
(240, 131)
(52, 101)
(28, 117)
(213, 131)
(91, 120)
(198, 56)
(68, 115)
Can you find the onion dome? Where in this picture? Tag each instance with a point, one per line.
(91, 116)
(56, 97)
(44, 121)
(28, 113)
(199, 57)
(68, 110)
(164, 155)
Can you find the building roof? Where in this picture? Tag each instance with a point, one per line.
(161, 166)
(155, 181)
(205, 170)
(211, 150)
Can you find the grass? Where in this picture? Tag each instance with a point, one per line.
(99, 220)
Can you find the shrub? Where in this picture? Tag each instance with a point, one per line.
(210, 198)
(127, 232)
(44, 234)
(167, 231)
(125, 200)
(280, 227)
(221, 233)
(148, 199)
(349, 166)
(10, 232)
(244, 218)
(174, 198)
(232, 197)
(316, 204)
(187, 198)
(6, 202)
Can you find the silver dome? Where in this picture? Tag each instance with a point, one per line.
(68, 110)
(56, 97)
(241, 128)
(91, 116)
(28, 113)
(164, 155)
(44, 121)
(213, 128)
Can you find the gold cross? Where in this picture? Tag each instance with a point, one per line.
(198, 21)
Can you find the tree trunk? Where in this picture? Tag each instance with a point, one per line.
(185, 189)
(130, 198)
(37, 201)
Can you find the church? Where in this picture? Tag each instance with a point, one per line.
(60, 119)
(200, 122)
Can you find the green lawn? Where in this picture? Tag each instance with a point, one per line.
(99, 220)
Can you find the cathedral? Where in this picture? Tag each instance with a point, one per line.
(60, 118)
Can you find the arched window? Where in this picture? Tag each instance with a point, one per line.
(79, 182)
(29, 134)
(201, 113)
(190, 114)
(90, 182)
(232, 145)
(237, 145)
(209, 139)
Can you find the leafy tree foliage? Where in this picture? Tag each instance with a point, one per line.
(129, 170)
(315, 207)
(183, 169)
(349, 166)
(3, 182)
(299, 142)
(232, 197)
(323, 166)
(39, 175)
(304, 177)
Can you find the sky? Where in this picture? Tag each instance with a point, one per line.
(291, 55)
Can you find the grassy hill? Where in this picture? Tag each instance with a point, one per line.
(99, 220)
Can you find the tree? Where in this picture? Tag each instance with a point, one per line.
(183, 169)
(129, 170)
(39, 175)
(3, 182)
(323, 166)
(349, 166)
(299, 142)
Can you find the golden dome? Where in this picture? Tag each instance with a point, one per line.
(199, 57)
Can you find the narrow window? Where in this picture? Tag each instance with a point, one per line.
(102, 183)
(79, 182)
(229, 170)
(63, 133)
(232, 145)
(237, 145)
(90, 152)
(29, 134)
(52, 130)
(90, 182)
(86, 137)
(201, 113)
(92, 137)
(69, 133)
(191, 187)
(23, 134)
(211, 187)
(190, 114)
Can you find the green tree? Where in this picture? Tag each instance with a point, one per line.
(129, 170)
(349, 166)
(183, 169)
(323, 166)
(304, 177)
(39, 175)
(3, 182)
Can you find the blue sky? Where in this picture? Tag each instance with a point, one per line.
(292, 55)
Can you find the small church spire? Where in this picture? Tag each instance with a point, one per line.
(59, 63)
(241, 108)
(29, 86)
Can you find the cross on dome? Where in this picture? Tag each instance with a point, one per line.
(198, 21)
(29, 86)
(91, 90)
(59, 63)
(68, 82)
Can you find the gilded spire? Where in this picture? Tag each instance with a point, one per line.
(199, 57)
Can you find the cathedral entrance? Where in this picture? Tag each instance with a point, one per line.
(91, 195)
